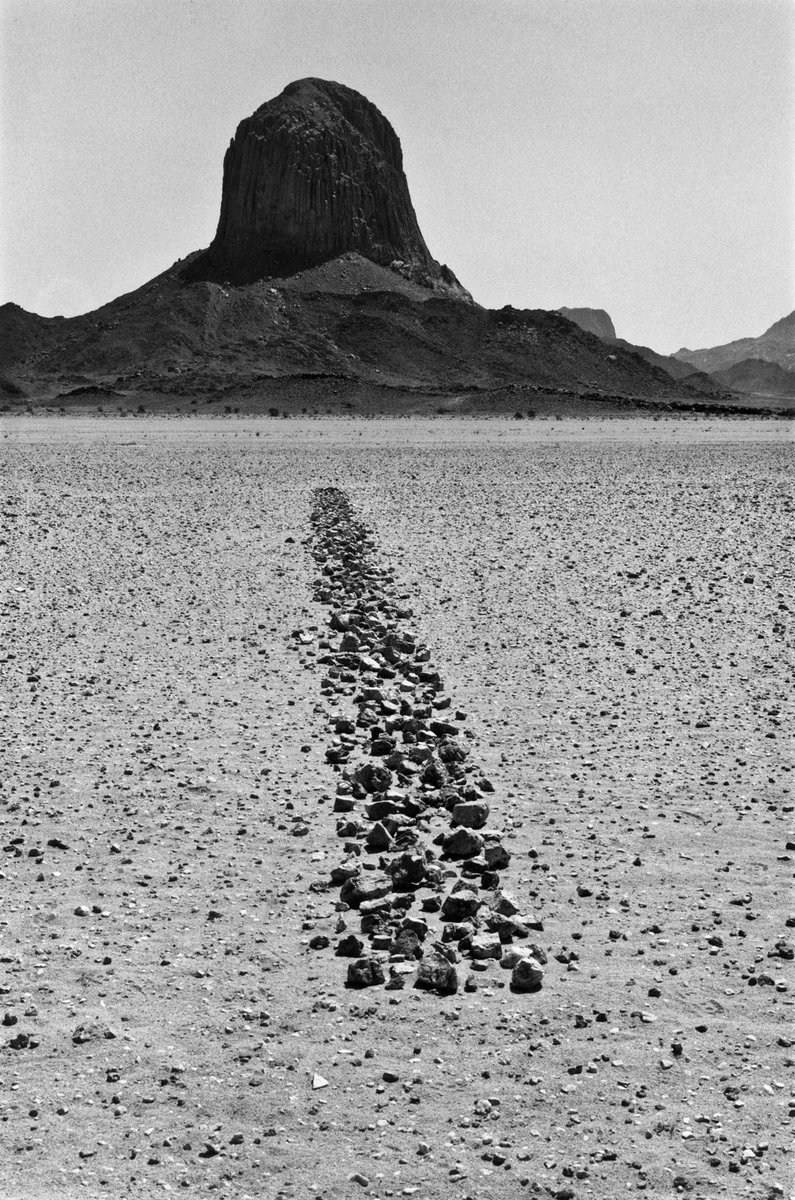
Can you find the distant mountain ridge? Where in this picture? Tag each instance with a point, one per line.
(757, 376)
(600, 323)
(776, 344)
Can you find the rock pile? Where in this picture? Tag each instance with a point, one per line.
(421, 863)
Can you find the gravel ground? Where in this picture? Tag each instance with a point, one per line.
(610, 604)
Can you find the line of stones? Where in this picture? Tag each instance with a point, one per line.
(411, 808)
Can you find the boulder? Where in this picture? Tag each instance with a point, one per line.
(462, 843)
(365, 972)
(473, 814)
(436, 973)
(527, 975)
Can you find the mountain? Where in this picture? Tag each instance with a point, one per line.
(594, 320)
(315, 173)
(318, 271)
(776, 344)
(599, 322)
(348, 318)
(758, 376)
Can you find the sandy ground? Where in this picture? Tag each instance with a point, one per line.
(611, 605)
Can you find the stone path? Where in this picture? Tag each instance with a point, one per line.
(412, 810)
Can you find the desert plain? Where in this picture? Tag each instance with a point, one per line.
(609, 603)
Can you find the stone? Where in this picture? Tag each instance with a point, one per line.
(378, 838)
(347, 870)
(370, 885)
(434, 774)
(486, 945)
(378, 809)
(473, 814)
(408, 944)
(408, 871)
(496, 856)
(374, 778)
(349, 947)
(462, 843)
(527, 975)
(444, 729)
(92, 1031)
(22, 1041)
(418, 925)
(437, 974)
(365, 972)
(461, 906)
(504, 904)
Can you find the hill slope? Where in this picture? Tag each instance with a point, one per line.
(348, 317)
(757, 376)
(776, 344)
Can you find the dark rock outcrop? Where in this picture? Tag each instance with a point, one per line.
(313, 174)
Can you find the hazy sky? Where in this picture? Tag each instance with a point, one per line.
(633, 155)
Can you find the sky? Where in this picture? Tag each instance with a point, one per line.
(631, 155)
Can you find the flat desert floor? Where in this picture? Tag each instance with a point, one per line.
(610, 603)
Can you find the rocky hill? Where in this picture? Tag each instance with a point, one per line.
(599, 322)
(318, 269)
(776, 344)
(348, 319)
(756, 376)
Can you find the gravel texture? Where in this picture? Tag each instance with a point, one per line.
(610, 606)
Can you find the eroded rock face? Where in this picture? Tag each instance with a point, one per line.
(315, 173)
(592, 320)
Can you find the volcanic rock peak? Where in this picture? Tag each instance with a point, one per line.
(314, 173)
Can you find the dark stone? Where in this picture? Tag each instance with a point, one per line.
(434, 774)
(367, 886)
(374, 778)
(460, 907)
(408, 944)
(462, 843)
(436, 973)
(365, 972)
(527, 975)
(472, 814)
(408, 871)
(496, 856)
(92, 1031)
(349, 947)
(378, 837)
